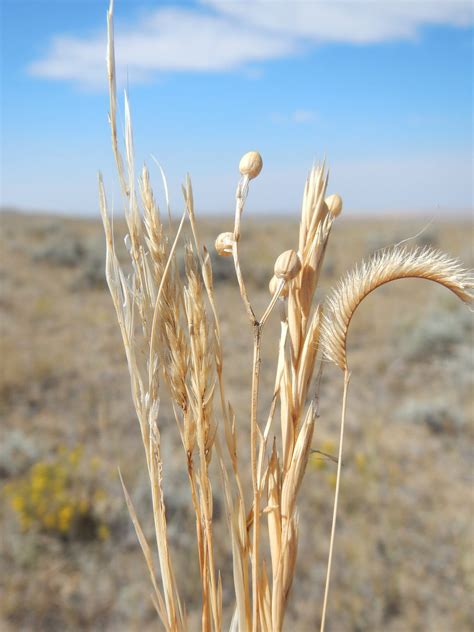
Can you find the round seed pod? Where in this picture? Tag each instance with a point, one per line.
(334, 204)
(273, 287)
(224, 243)
(251, 164)
(287, 265)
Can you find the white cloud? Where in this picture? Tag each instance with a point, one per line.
(168, 40)
(353, 21)
(220, 36)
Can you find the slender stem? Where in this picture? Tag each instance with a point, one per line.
(161, 526)
(113, 100)
(256, 463)
(276, 391)
(240, 279)
(256, 493)
(210, 552)
(240, 197)
(271, 304)
(347, 376)
(205, 616)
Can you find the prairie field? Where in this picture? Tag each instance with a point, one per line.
(404, 557)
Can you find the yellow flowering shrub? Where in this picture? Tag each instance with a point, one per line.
(60, 497)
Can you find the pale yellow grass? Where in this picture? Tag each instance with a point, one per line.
(171, 333)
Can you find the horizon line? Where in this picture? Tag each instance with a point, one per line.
(461, 213)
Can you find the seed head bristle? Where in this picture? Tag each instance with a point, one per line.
(388, 265)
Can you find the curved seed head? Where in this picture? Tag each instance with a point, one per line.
(287, 265)
(224, 243)
(273, 287)
(387, 265)
(334, 204)
(251, 164)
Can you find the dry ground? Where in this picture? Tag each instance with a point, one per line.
(404, 550)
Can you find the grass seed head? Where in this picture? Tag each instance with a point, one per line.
(387, 265)
(273, 287)
(251, 164)
(287, 265)
(224, 243)
(334, 204)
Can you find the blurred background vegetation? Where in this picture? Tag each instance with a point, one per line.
(70, 561)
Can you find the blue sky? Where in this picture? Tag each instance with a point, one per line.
(382, 89)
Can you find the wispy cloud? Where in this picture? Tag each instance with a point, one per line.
(352, 21)
(167, 40)
(217, 36)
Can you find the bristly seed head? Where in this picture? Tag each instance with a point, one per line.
(224, 244)
(287, 265)
(334, 204)
(251, 164)
(273, 287)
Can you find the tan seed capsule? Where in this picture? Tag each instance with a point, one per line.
(224, 243)
(287, 265)
(251, 164)
(334, 204)
(275, 284)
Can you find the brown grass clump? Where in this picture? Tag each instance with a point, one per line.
(172, 337)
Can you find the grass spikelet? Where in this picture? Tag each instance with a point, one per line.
(388, 265)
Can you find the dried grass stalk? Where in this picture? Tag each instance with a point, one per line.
(172, 339)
